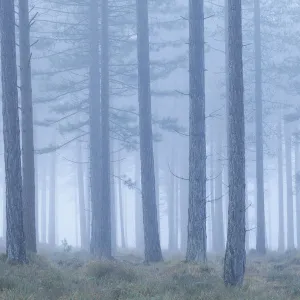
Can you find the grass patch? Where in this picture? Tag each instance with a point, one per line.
(70, 276)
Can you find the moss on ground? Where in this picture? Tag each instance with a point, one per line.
(75, 277)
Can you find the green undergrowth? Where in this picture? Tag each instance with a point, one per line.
(74, 276)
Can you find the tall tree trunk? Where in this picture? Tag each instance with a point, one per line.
(219, 225)
(94, 124)
(139, 232)
(235, 254)
(151, 235)
(297, 187)
(121, 208)
(15, 237)
(52, 203)
(281, 239)
(260, 202)
(81, 201)
(44, 205)
(289, 187)
(196, 245)
(27, 128)
(105, 210)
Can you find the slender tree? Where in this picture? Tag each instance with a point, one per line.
(297, 187)
(81, 202)
(94, 124)
(105, 199)
(260, 203)
(196, 244)
(52, 202)
(27, 128)
(151, 235)
(15, 238)
(235, 254)
(281, 240)
(289, 186)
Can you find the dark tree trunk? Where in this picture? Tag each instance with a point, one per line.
(15, 238)
(289, 187)
(196, 245)
(235, 255)
(94, 122)
(105, 198)
(27, 128)
(260, 203)
(151, 235)
(281, 239)
(52, 203)
(81, 202)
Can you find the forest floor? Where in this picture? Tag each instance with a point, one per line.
(73, 276)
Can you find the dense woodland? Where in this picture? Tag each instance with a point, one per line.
(161, 127)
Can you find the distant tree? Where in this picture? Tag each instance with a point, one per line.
(151, 234)
(94, 127)
(289, 186)
(52, 230)
(281, 239)
(15, 238)
(81, 202)
(105, 179)
(196, 243)
(235, 255)
(27, 127)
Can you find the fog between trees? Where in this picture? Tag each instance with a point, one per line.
(153, 126)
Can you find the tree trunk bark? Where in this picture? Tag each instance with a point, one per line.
(151, 235)
(94, 124)
(196, 244)
(289, 188)
(260, 202)
(15, 237)
(27, 128)
(105, 198)
(235, 254)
